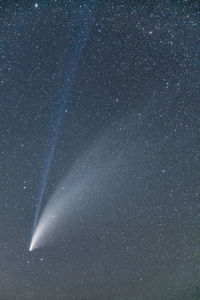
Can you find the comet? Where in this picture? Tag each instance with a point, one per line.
(89, 174)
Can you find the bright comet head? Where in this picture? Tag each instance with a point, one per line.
(30, 248)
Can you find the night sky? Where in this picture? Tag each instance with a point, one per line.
(100, 102)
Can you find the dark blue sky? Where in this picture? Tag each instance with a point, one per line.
(132, 117)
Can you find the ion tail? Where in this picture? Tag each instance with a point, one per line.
(85, 21)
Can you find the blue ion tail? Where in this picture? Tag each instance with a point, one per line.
(85, 21)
